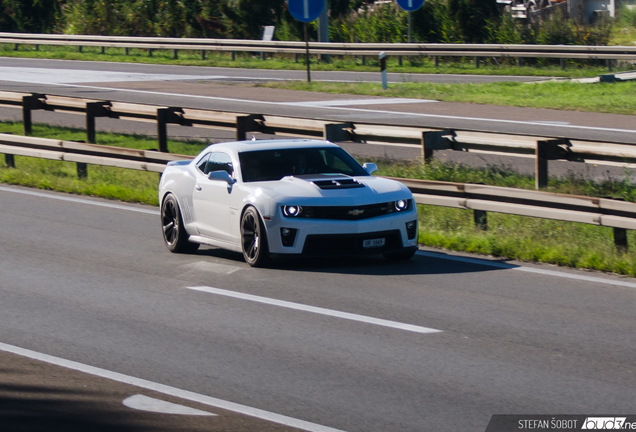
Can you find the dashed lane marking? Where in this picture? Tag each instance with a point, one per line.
(316, 310)
(145, 403)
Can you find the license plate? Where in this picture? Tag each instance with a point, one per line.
(372, 243)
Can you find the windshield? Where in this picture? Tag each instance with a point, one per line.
(268, 165)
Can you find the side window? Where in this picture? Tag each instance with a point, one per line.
(220, 162)
(203, 162)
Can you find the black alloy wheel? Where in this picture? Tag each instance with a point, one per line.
(254, 239)
(174, 234)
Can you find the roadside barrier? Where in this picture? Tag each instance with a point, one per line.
(481, 199)
(478, 51)
(542, 148)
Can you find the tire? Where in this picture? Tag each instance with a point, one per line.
(400, 256)
(254, 239)
(175, 236)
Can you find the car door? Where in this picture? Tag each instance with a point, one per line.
(211, 198)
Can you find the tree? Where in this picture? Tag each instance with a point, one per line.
(474, 18)
(29, 16)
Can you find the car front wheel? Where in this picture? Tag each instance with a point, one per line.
(254, 239)
(175, 236)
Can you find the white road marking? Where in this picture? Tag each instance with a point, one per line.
(348, 102)
(359, 110)
(79, 200)
(507, 266)
(316, 310)
(168, 390)
(145, 403)
(67, 76)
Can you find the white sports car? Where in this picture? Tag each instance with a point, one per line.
(285, 197)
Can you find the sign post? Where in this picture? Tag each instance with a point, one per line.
(410, 6)
(306, 11)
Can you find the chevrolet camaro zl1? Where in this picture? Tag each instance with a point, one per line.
(285, 197)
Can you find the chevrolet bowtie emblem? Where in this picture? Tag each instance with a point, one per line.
(355, 212)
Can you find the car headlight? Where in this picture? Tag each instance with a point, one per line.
(292, 211)
(402, 205)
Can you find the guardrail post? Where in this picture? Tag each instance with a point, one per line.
(541, 165)
(400, 60)
(434, 141)
(338, 132)
(248, 123)
(31, 102)
(103, 50)
(15, 47)
(94, 110)
(436, 60)
(548, 150)
(609, 65)
(149, 52)
(481, 219)
(168, 115)
(295, 57)
(162, 129)
(477, 62)
(620, 239)
(9, 160)
(562, 64)
(79, 48)
(37, 47)
(202, 54)
(176, 54)
(519, 61)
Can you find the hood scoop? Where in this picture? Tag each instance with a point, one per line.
(341, 183)
(331, 181)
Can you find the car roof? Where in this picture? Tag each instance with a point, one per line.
(255, 145)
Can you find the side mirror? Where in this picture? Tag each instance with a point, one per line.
(221, 176)
(370, 167)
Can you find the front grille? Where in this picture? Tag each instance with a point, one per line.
(351, 244)
(348, 212)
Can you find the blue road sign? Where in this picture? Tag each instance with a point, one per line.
(410, 5)
(307, 10)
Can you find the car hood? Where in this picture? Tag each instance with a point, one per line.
(333, 190)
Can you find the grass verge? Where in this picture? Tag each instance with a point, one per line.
(514, 237)
(617, 98)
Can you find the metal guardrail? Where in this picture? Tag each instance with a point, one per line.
(482, 199)
(333, 48)
(428, 139)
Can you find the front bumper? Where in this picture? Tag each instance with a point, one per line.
(320, 237)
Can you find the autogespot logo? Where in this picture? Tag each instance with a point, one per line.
(605, 423)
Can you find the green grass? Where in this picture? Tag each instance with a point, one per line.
(618, 98)
(527, 239)
(574, 69)
(514, 237)
(621, 188)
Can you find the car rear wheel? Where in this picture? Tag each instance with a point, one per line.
(400, 256)
(174, 234)
(254, 239)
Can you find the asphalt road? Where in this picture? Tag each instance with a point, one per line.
(233, 90)
(197, 87)
(90, 281)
